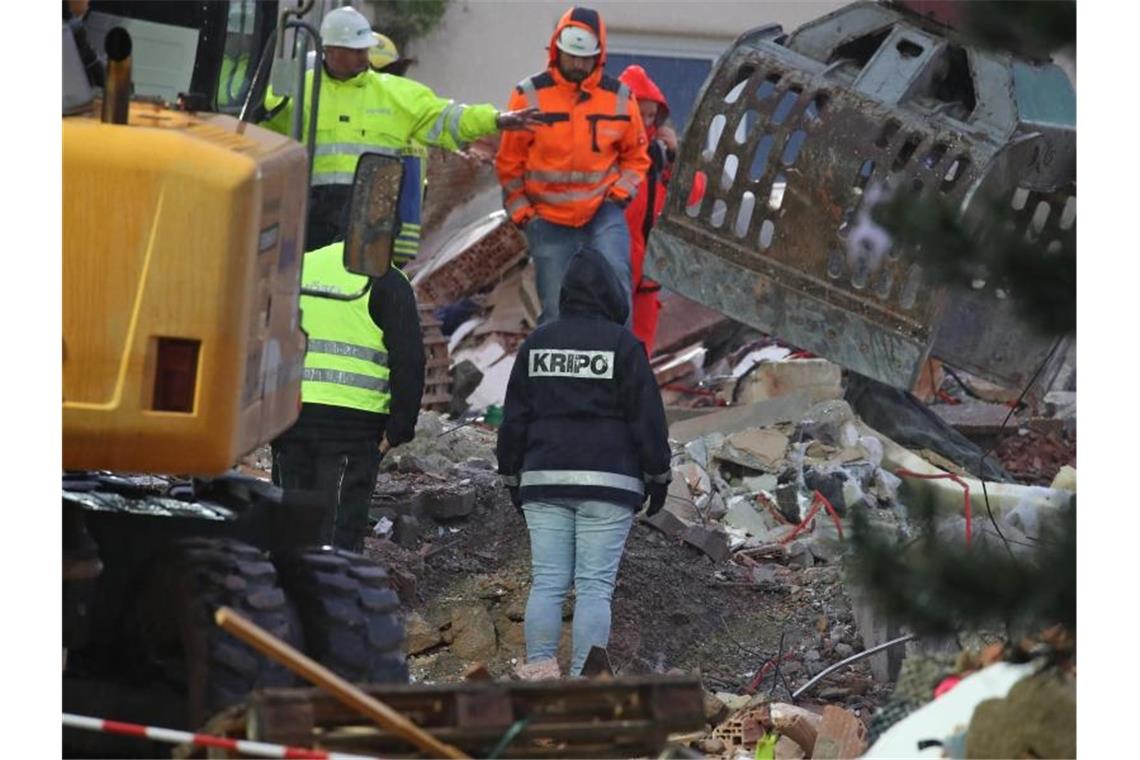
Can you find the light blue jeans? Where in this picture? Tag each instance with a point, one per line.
(579, 543)
(551, 246)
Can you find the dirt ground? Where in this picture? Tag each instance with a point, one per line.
(674, 608)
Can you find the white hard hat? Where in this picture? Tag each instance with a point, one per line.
(347, 27)
(575, 40)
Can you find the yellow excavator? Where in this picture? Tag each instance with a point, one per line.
(183, 225)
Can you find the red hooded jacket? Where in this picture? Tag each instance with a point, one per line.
(591, 146)
(652, 189)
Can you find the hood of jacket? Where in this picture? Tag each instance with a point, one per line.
(637, 80)
(591, 288)
(590, 20)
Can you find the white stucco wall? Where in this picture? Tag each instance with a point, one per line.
(482, 48)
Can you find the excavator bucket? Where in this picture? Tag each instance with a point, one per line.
(796, 136)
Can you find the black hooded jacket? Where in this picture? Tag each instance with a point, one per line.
(583, 417)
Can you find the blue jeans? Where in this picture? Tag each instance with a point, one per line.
(551, 246)
(579, 543)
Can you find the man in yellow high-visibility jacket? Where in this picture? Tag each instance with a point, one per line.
(361, 111)
(360, 392)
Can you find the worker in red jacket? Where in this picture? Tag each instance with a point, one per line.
(649, 199)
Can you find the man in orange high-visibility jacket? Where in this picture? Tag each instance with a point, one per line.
(566, 183)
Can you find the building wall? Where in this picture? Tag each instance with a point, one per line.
(482, 48)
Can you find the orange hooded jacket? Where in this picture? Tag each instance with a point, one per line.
(591, 146)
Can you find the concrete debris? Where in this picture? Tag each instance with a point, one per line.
(788, 408)
(756, 483)
(819, 379)
(757, 449)
(711, 541)
(668, 523)
(830, 422)
(443, 505)
(744, 515)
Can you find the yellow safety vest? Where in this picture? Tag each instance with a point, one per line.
(378, 113)
(346, 363)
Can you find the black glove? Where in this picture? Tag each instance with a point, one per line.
(516, 498)
(656, 493)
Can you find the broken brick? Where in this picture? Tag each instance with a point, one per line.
(840, 735)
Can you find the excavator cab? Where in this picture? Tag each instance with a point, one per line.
(183, 227)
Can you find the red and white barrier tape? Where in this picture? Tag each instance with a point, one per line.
(257, 749)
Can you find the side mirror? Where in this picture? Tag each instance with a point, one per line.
(373, 220)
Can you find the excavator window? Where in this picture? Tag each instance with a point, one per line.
(208, 49)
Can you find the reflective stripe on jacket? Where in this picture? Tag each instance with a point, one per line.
(377, 113)
(346, 362)
(592, 144)
(583, 417)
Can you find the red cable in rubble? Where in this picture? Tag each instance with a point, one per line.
(817, 500)
(905, 473)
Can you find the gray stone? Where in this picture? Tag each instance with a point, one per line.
(765, 574)
(743, 514)
(473, 632)
(788, 501)
(798, 555)
(679, 501)
(478, 463)
(406, 532)
(411, 463)
(812, 655)
(445, 505)
(712, 542)
(766, 483)
(668, 523)
(825, 421)
(715, 509)
(844, 650)
(825, 549)
(421, 635)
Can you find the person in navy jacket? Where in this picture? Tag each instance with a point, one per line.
(583, 444)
